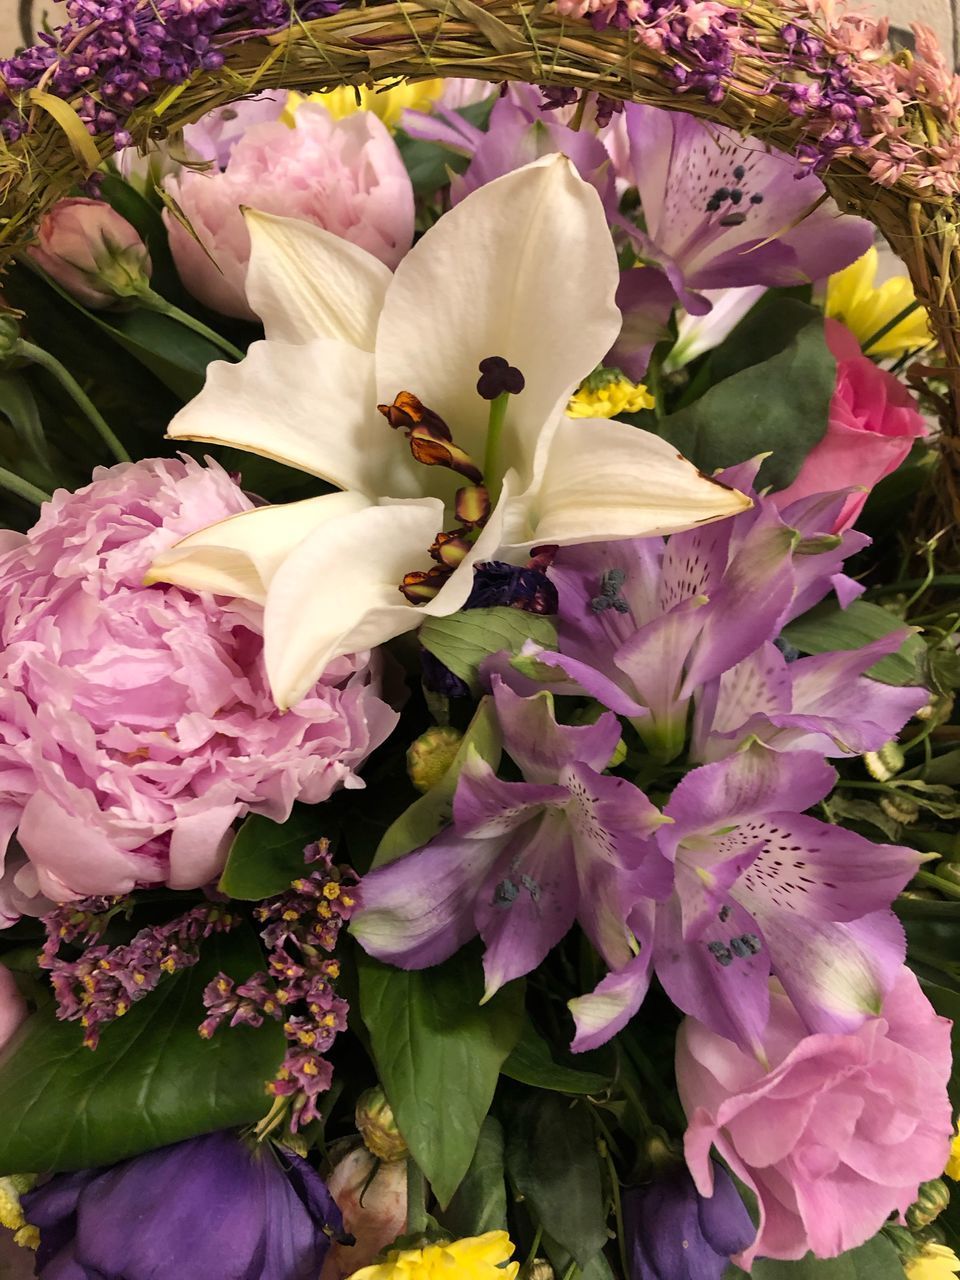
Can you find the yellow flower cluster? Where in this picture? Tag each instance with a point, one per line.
(953, 1164)
(936, 1262)
(865, 308)
(387, 104)
(11, 1213)
(596, 399)
(479, 1258)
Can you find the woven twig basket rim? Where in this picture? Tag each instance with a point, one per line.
(496, 41)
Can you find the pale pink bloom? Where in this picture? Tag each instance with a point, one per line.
(136, 722)
(344, 175)
(13, 1007)
(835, 1134)
(873, 424)
(92, 252)
(700, 17)
(372, 1196)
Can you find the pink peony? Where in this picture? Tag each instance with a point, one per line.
(13, 1007)
(836, 1135)
(873, 424)
(344, 175)
(136, 722)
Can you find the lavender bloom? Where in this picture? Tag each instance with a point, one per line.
(523, 860)
(674, 1233)
(761, 888)
(721, 211)
(210, 1206)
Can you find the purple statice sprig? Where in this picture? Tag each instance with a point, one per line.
(110, 54)
(300, 930)
(104, 982)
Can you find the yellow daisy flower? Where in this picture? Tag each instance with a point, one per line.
(953, 1164)
(388, 104)
(865, 307)
(936, 1262)
(608, 393)
(479, 1258)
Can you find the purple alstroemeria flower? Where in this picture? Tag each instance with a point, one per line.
(763, 888)
(722, 211)
(523, 860)
(210, 1206)
(651, 627)
(518, 133)
(674, 1233)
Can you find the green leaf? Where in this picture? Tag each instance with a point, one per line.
(598, 1268)
(20, 409)
(552, 1160)
(828, 627)
(462, 640)
(266, 857)
(151, 1081)
(147, 220)
(531, 1064)
(875, 1260)
(426, 816)
(438, 1053)
(738, 418)
(480, 1203)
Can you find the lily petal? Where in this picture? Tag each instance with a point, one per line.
(312, 407)
(525, 269)
(304, 283)
(239, 556)
(606, 480)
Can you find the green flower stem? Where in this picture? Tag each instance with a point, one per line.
(532, 1255)
(946, 887)
(491, 458)
(891, 324)
(416, 1199)
(22, 488)
(36, 355)
(153, 302)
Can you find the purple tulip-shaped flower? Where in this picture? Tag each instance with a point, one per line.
(208, 1207)
(674, 1233)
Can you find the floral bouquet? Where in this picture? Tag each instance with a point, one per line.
(479, 776)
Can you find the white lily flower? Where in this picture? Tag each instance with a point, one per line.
(524, 268)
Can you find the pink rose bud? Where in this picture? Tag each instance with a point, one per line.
(13, 1008)
(373, 1201)
(94, 253)
(872, 426)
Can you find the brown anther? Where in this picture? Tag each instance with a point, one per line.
(450, 548)
(430, 440)
(420, 586)
(472, 505)
(407, 412)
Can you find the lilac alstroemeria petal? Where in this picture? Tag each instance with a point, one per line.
(449, 128)
(739, 702)
(646, 299)
(653, 659)
(614, 1001)
(418, 910)
(837, 974)
(722, 978)
(821, 872)
(541, 746)
(528, 901)
(485, 806)
(585, 679)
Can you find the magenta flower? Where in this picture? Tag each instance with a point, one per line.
(834, 1133)
(136, 722)
(345, 175)
(523, 860)
(722, 211)
(874, 422)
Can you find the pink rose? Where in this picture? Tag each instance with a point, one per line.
(136, 723)
(13, 1007)
(873, 424)
(344, 175)
(372, 1196)
(94, 253)
(837, 1134)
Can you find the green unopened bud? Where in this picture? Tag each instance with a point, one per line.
(378, 1128)
(905, 1244)
(542, 1270)
(932, 1198)
(9, 334)
(937, 710)
(431, 755)
(886, 762)
(900, 808)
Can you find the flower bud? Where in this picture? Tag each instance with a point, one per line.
(932, 1198)
(886, 762)
(94, 253)
(431, 755)
(542, 1270)
(372, 1196)
(378, 1128)
(9, 334)
(900, 808)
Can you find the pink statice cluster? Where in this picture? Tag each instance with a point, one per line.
(136, 723)
(300, 931)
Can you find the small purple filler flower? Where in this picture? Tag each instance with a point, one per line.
(210, 1206)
